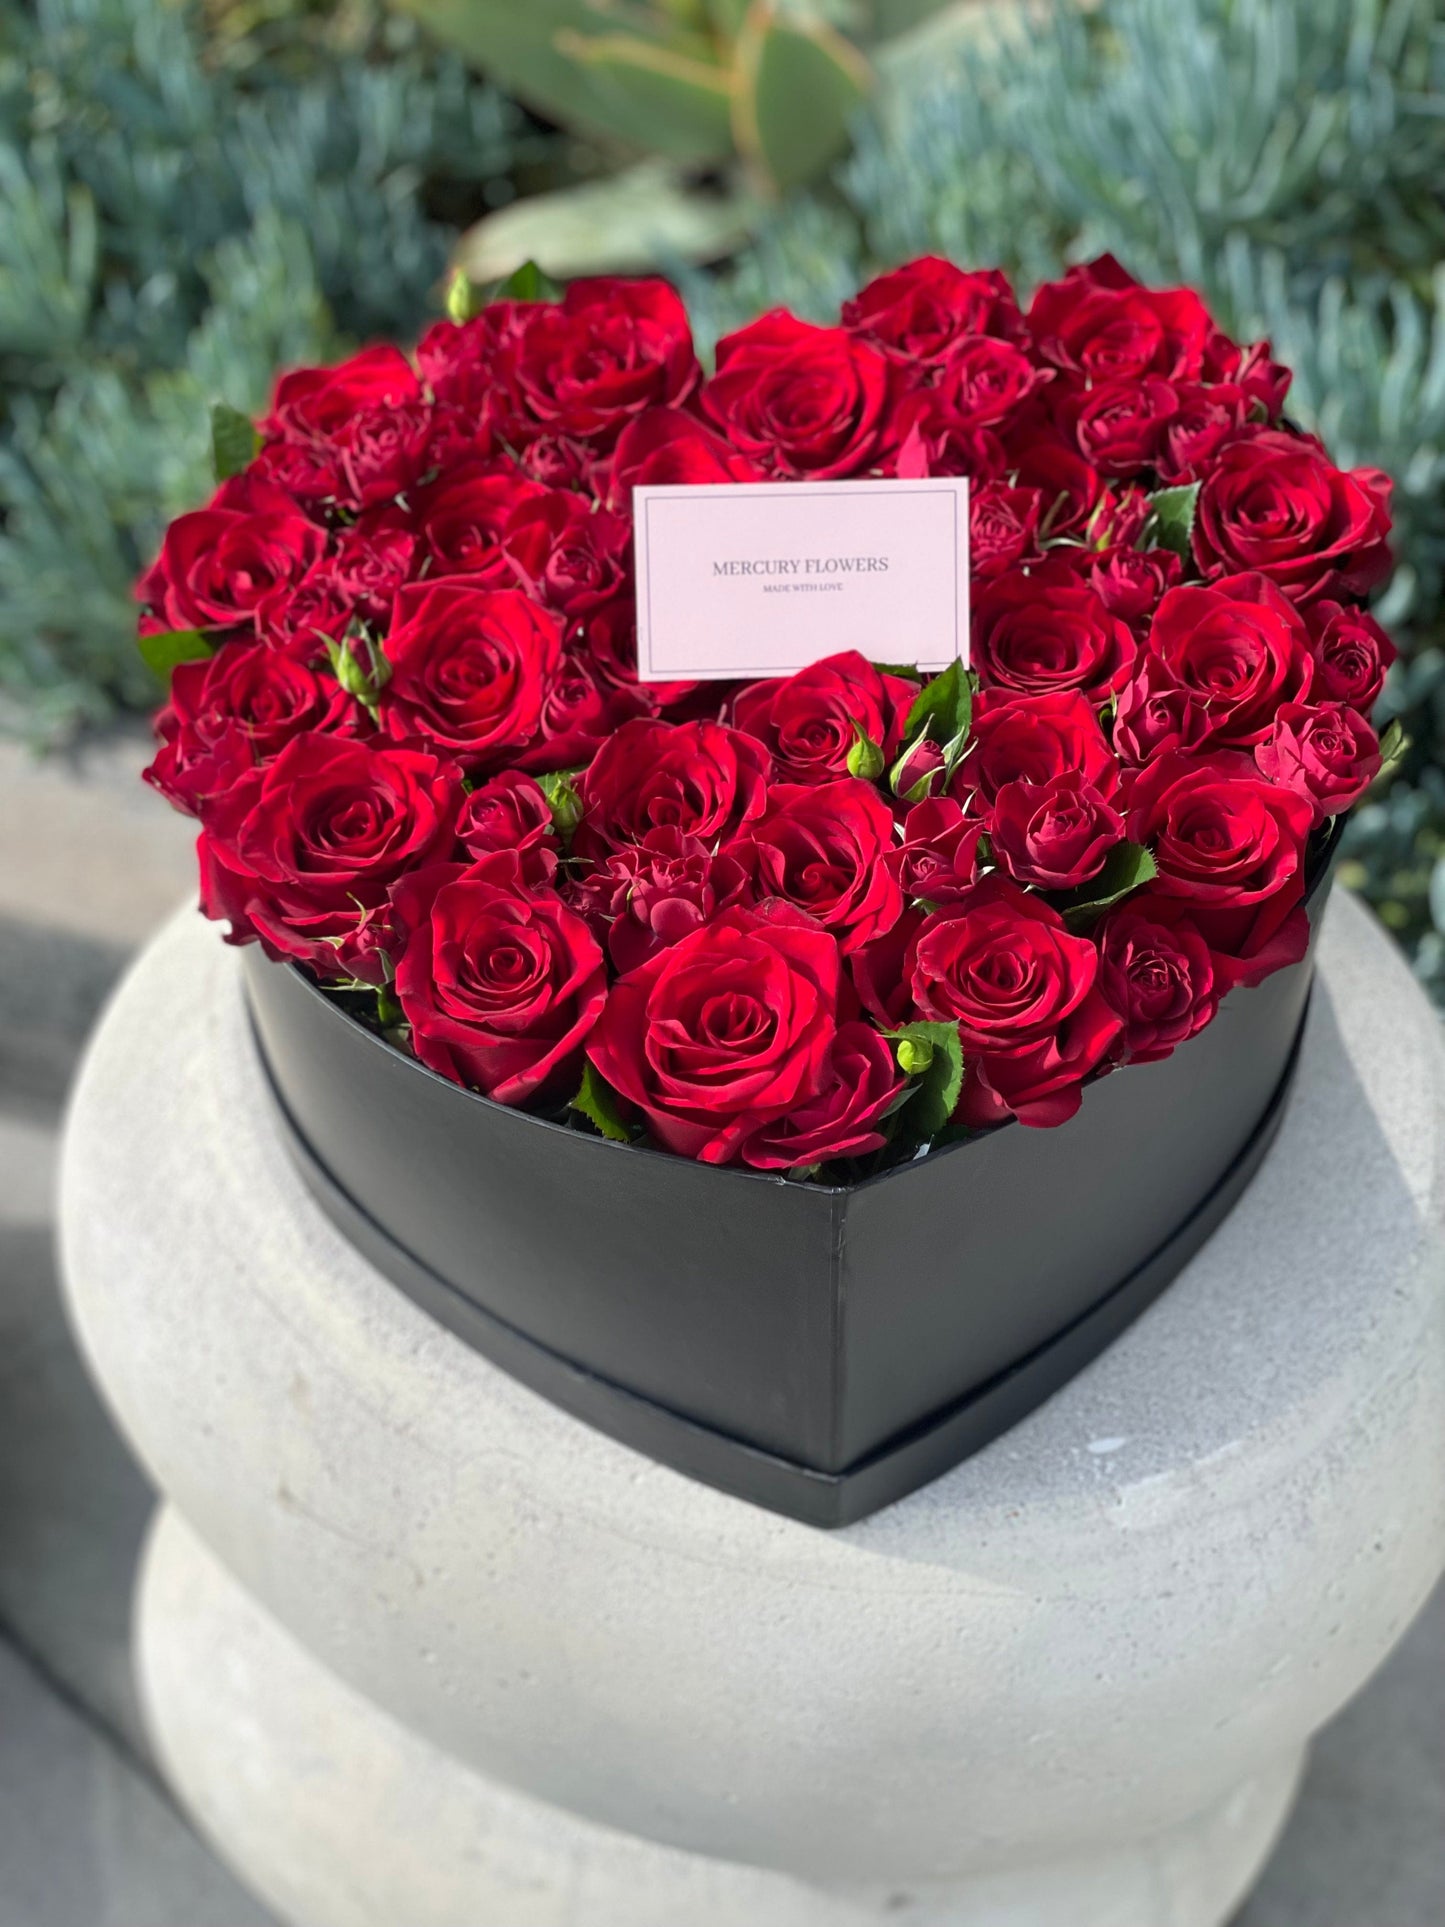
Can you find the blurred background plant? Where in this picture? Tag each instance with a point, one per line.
(1287, 157)
(194, 196)
(191, 198)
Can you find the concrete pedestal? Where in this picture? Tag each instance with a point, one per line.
(420, 1649)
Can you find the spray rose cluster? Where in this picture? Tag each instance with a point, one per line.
(833, 917)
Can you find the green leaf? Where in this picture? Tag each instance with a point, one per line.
(168, 647)
(865, 758)
(909, 671)
(943, 709)
(1171, 518)
(632, 222)
(1394, 746)
(797, 86)
(1127, 866)
(527, 283)
(234, 441)
(597, 1102)
(938, 1054)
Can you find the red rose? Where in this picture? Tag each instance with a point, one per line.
(316, 404)
(1003, 526)
(1232, 846)
(235, 711)
(1054, 835)
(463, 515)
(1072, 489)
(1120, 426)
(380, 452)
(924, 313)
(843, 1120)
(300, 618)
(878, 971)
(464, 364)
(1351, 652)
(1002, 965)
(801, 400)
(1155, 971)
(985, 382)
(1274, 502)
(470, 668)
(699, 777)
(1203, 419)
(510, 812)
(938, 857)
(820, 846)
(1325, 752)
(580, 710)
(932, 441)
(656, 892)
(1033, 739)
(726, 1031)
(1240, 648)
(582, 368)
(572, 557)
(1156, 713)
(500, 982)
(1129, 581)
(807, 721)
(1252, 369)
(372, 561)
(218, 565)
(303, 853)
(667, 447)
(1045, 632)
(1099, 322)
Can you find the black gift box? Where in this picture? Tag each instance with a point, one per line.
(817, 1350)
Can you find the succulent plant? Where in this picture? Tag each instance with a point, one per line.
(762, 93)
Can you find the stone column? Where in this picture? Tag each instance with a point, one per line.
(419, 1650)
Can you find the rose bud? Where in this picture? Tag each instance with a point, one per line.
(1053, 835)
(918, 771)
(1326, 752)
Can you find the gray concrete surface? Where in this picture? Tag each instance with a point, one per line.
(85, 1840)
(1142, 1599)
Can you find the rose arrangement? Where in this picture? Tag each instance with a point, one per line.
(835, 917)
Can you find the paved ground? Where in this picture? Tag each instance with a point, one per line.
(88, 863)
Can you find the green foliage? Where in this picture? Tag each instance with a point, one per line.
(179, 222)
(1284, 156)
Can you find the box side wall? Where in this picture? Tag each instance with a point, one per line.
(963, 1265)
(705, 1291)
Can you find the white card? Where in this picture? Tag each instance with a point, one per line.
(743, 580)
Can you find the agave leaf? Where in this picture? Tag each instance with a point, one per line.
(633, 221)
